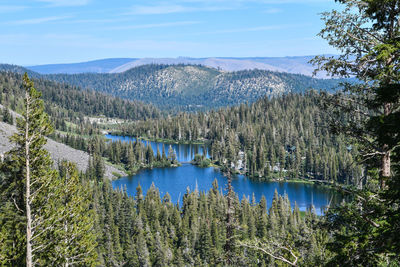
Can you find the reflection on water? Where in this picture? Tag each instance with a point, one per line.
(184, 153)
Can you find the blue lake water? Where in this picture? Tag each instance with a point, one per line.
(177, 180)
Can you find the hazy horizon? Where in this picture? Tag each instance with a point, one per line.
(178, 57)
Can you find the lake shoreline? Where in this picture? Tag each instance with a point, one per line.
(215, 165)
(161, 140)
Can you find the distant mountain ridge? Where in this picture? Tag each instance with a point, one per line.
(19, 70)
(95, 66)
(295, 65)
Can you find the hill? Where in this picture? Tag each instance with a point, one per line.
(18, 69)
(70, 101)
(194, 87)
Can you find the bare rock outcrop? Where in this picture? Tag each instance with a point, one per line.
(57, 151)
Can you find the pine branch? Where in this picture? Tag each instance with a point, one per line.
(281, 258)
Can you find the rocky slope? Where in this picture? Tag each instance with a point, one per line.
(57, 150)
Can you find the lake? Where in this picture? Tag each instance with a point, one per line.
(176, 180)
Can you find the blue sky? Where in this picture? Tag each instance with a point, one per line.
(61, 31)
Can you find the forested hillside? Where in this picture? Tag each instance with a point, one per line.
(284, 136)
(190, 87)
(65, 101)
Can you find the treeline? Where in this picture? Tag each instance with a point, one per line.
(68, 102)
(132, 156)
(275, 137)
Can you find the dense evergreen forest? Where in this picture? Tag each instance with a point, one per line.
(131, 156)
(275, 137)
(68, 102)
(193, 87)
(150, 231)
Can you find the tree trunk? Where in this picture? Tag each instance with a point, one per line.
(385, 172)
(385, 162)
(229, 244)
(29, 262)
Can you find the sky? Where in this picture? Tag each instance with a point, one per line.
(64, 31)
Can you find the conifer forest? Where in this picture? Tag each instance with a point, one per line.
(340, 133)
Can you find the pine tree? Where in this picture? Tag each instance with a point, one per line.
(7, 116)
(99, 168)
(230, 225)
(367, 33)
(142, 250)
(163, 155)
(171, 155)
(37, 172)
(368, 113)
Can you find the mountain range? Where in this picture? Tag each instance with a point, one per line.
(296, 65)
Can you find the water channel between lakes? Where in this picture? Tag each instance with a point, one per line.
(177, 180)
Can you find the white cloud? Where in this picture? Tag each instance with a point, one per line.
(37, 20)
(58, 3)
(154, 25)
